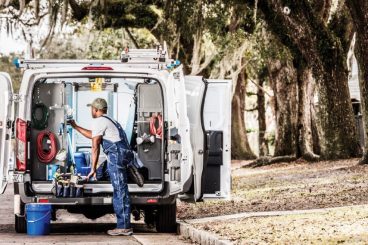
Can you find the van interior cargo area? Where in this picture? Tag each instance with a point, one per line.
(57, 149)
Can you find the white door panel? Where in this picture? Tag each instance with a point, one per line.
(6, 118)
(217, 117)
(180, 162)
(195, 89)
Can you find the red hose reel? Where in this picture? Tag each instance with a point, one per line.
(46, 156)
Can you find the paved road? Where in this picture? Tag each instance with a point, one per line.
(76, 229)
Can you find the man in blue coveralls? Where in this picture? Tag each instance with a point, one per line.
(110, 134)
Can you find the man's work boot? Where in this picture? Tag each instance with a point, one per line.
(120, 232)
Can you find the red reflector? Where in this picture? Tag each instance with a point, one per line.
(97, 68)
(152, 201)
(43, 200)
(21, 145)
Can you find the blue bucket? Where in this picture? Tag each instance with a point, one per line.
(38, 219)
(80, 160)
(85, 171)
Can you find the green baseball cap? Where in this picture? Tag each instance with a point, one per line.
(99, 103)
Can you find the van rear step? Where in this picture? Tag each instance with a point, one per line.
(135, 200)
(89, 188)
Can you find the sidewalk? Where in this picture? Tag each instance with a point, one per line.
(343, 224)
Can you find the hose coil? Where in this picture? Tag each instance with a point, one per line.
(46, 156)
(40, 123)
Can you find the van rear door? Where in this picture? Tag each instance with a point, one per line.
(6, 121)
(217, 123)
(196, 88)
(180, 155)
(209, 112)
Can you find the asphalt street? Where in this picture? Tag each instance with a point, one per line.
(76, 229)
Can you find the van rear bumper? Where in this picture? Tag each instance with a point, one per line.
(26, 195)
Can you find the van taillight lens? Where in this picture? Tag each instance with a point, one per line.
(21, 140)
(97, 68)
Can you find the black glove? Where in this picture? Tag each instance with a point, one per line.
(135, 175)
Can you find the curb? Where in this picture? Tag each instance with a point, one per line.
(198, 236)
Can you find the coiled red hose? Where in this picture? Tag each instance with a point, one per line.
(156, 131)
(46, 156)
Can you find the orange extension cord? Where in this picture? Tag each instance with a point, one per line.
(156, 131)
(46, 156)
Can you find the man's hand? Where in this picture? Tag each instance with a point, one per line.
(73, 123)
(85, 132)
(91, 174)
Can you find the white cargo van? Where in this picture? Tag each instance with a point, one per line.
(190, 156)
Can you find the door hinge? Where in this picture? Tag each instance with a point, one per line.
(9, 124)
(176, 75)
(16, 98)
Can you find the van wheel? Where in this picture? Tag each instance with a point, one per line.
(166, 218)
(20, 224)
(149, 217)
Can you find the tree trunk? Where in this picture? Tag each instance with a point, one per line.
(240, 148)
(283, 81)
(324, 49)
(338, 136)
(306, 115)
(359, 12)
(262, 142)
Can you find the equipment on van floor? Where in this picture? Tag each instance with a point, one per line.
(46, 156)
(68, 185)
(40, 123)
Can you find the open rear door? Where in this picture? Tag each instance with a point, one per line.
(196, 88)
(180, 154)
(6, 121)
(217, 124)
(209, 113)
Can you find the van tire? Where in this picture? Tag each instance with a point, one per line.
(20, 224)
(149, 217)
(166, 218)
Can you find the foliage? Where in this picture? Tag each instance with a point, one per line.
(6, 65)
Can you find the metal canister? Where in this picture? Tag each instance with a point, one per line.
(79, 191)
(59, 190)
(66, 191)
(73, 191)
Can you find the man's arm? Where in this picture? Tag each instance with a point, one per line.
(85, 132)
(96, 143)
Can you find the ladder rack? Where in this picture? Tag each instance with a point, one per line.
(34, 64)
(136, 58)
(158, 55)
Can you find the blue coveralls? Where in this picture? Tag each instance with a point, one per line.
(118, 157)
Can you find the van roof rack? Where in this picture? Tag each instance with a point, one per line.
(148, 58)
(34, 63)
(157, 55)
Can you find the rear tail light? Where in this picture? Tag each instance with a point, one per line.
(97, 68)
(21, 141)
(43, 200)
(152, 201)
